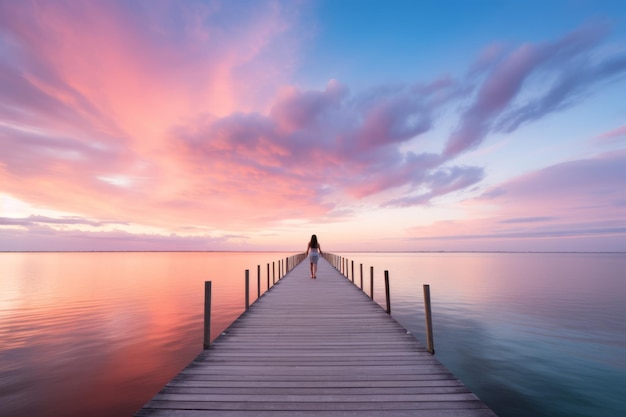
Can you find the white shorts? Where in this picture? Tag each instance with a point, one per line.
(314, 256)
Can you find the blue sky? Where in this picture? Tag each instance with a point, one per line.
(380, 41)
(249, 125)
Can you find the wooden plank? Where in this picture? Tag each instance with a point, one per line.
(319, 413)
(416, 406)
(325, 391)
(314, 378)
(315, 348)
(382, 384)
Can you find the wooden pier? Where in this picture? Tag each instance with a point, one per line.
(315, 347)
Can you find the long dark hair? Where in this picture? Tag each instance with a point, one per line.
(313, 242)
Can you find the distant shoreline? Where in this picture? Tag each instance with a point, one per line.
(288, 251)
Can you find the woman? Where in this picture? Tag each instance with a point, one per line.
(316, 251)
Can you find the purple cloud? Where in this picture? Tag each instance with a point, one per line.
(390, 119)
(44, 238)
(582, 198)
(537, 219)
(321, 137)
(582, 230)
(297, 110)
(441, 182)
(575, 205)
(354, 141)
(572, 85)
(32, 151)
(83, 114)
(582, 183)
(562, 72)
(493, 97)
(38, 220)
(613, 136)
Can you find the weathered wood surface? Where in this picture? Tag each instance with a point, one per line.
(315, 348)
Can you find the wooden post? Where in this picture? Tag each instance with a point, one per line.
(372, 282)
(361, 267)
(286, 265)
(207, 314)
(352, 266)
(387, 292)
(247, 289)
(268, 277)
(258, 282)
(429, 321)
(273, 272)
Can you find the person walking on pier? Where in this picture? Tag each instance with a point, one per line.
(316, 251)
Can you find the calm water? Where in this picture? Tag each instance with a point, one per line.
(100, 333)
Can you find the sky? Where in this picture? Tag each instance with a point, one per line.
(448, 125)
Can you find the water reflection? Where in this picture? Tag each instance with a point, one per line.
(531, 334)
(100, 333)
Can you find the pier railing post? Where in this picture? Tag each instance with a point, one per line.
(387, 292)
(207, 314)
(247, 289)
(268, 277)
(273, 272)
(372, 282)
(258, 282)
(429, 321)
(361, 267)
(352, 267)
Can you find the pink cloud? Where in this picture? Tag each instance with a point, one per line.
(612, 136)
(37, 220)
(92, 90)
(43, 238)
(441, 182)
(576, 205)
(296, 110)
(168, 113)
(585, 184)
(487, 58)
(114, 67)
(316, 138)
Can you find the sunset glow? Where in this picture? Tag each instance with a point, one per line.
(250, 125)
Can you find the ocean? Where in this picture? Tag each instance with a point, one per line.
(99, 333)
